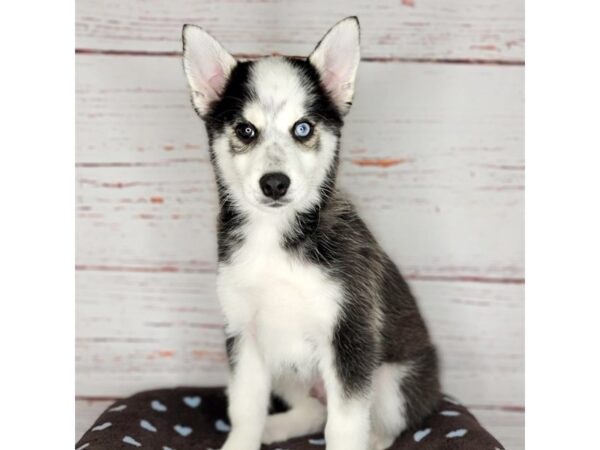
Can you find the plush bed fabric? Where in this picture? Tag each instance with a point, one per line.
(196, 419)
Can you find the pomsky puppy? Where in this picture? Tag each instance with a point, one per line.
(309, 297)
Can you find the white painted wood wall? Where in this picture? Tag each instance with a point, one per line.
(433, 157)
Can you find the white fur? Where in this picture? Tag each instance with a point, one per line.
(388, 407)
(284, 310)
(279, 104)
(248, 393)
(288, 307)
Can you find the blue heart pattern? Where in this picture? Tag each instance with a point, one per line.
(421, 434)
(192, 401)
(457, 433)
(183, 430)
(147, 426)
(222, 426)
(131, 441)
(158, 406)
(104, 426)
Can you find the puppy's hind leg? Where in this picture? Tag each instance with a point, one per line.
(404, 394)
(388, 409)
(349, 391)
(306, 414)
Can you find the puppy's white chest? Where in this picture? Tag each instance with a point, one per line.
(287, 305)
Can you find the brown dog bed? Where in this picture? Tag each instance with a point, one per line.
(196, 419)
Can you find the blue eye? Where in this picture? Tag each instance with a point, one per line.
(302, 130)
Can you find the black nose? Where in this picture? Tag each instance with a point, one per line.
(274, 185)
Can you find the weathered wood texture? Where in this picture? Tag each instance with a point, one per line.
(489, 30)
(432, 156)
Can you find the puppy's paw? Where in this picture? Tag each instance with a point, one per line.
(277, 429)
(380, 442)
(239, 441)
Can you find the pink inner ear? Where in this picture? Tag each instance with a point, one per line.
(330, 79)
(334, 84)
(337, 72)
(216, 82)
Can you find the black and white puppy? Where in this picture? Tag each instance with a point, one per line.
(309, 297)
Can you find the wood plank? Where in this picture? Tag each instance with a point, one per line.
(488, 30)
(506, 426)
(433, 157)
(140, 331)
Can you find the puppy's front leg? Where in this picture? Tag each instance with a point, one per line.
(248, 391)
(348, 420)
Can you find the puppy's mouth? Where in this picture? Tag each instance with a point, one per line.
(275, 203)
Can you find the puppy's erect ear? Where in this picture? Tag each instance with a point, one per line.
(207, 66)
(336, 59)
